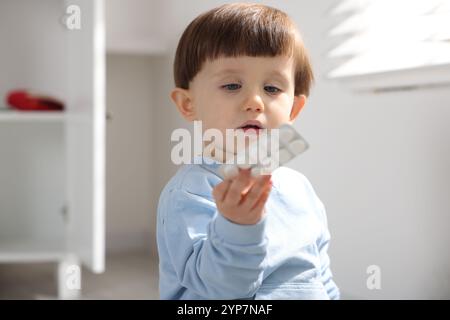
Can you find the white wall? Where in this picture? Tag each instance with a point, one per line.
(166, 120)
(379, 162)
(138, 147)
(128, 153)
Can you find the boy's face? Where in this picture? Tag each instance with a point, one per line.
(229, 91)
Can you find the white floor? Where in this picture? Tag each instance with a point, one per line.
(127, 276)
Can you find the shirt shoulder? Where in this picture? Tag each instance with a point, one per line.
(296, 186)
(191, 184)
(193, 178)
(287, 179)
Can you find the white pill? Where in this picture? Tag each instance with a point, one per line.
(297, 146)
(286, 134)
(265, 160)
(230, 171)
(244, 165)
(248, 158)
(257, 171)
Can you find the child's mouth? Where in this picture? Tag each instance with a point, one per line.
(247, 128)
(251, 127)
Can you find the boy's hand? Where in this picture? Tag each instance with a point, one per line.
(241, 199)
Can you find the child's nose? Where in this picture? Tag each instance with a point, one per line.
(254, 103)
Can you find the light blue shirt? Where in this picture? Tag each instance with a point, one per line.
(203, 255)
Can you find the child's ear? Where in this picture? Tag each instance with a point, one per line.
(297, 106)
(183, 101)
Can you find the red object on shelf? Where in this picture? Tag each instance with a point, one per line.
(25, 101)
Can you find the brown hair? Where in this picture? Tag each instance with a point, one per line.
(232, 30)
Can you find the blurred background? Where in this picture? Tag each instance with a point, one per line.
(377, 120)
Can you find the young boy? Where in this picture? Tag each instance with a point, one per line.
(245, 237)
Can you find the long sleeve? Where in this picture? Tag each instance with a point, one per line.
(326, 274)
(211, 256)
(323, 242)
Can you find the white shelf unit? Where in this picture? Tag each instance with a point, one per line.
(31, 116)
(22, 250)
(52, 163)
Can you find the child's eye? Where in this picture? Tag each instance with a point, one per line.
(232, 86)
(272, 89)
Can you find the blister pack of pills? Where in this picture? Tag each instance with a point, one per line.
(266, 154)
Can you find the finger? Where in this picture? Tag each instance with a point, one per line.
(250, 184)
(250, 199)
(238, 185)
(259, 205)
(261, 183)
(220, 190)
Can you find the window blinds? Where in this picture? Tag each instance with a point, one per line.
(379, 36)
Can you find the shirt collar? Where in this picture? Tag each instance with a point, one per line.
(209, 164)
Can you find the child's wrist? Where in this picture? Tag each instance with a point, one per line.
(239, 233)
